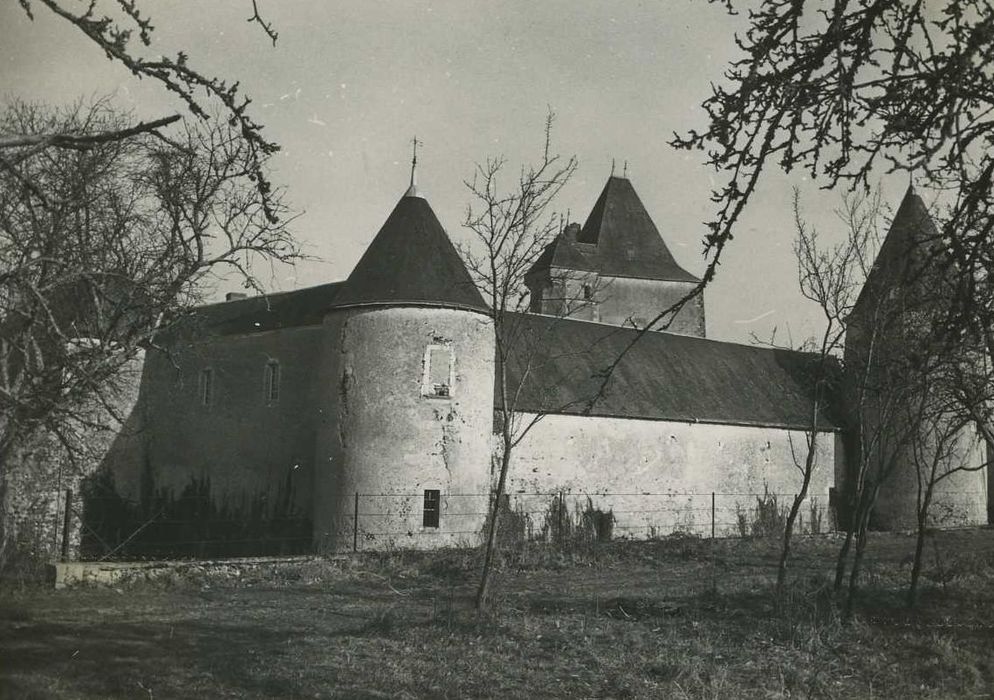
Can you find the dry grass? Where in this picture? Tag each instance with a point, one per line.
(662, 619)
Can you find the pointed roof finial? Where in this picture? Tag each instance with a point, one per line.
(624, 173)
(612, 167)
(412, 191)
(911, 181)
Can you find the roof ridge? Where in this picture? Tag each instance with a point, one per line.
(667, 332)
(264, 295)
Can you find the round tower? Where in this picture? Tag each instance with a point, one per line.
(407, 432)
(906, 430)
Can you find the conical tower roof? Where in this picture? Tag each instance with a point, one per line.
(908, 250)
(627, 242)
(411, 261)
(911, 236)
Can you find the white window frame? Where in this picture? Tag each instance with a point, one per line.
(429, 389)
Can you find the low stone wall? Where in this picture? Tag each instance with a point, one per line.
(67, 574)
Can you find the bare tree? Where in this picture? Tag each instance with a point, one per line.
(123, 30)
(916, 379)
(131, 231)
(878, 386)
(952, 416)
(882, 315)
(832, 279)
(845, 88)
(511, 228)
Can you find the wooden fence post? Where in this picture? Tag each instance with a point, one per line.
(65, 526)
(355, 524)
(712, 515)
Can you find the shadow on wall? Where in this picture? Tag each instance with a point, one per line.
(194, 524)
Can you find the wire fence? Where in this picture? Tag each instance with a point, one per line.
(416, 520)
(114, 528)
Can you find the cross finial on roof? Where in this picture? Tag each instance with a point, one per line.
(412, 191)
(414, 160)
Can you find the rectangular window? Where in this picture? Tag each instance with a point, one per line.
(206, 386)
(439, 369)
(272, 384)
(433, 503)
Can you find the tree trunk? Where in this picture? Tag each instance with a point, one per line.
(857, 564)
(6, 454)
(788, 531)
(840, 563)
(488, 558)
(862, 526)
(916, 565)
(795, 508)
(4, 515)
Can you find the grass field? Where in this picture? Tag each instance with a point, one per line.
(673, 618)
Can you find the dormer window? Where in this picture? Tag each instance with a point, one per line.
(439, 375)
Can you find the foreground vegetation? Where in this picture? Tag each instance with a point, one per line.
(672, 618)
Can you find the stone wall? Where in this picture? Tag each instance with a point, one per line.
(623, 298)
(232, 476)
(386, 437)
(657, 477)
(619, 301)
(960, 499)
(49, 466)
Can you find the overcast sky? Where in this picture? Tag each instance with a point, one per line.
(350, 83)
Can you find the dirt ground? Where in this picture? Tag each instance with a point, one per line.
(671, 618)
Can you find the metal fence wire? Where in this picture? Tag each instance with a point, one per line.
(194, 526)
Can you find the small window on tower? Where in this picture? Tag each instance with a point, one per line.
(206, 386)
(272, 383)
(439, 371)
(433, 503)
(588, 292)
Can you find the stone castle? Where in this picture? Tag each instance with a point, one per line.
(270, 423)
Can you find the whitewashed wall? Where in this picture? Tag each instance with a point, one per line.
(657, 477)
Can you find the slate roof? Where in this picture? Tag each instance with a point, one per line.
(564, 253)
(301, 307)
(664, 376)
(620, 239)
(411, 261)
(908, 249)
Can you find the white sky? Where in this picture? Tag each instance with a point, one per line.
(349, 83)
